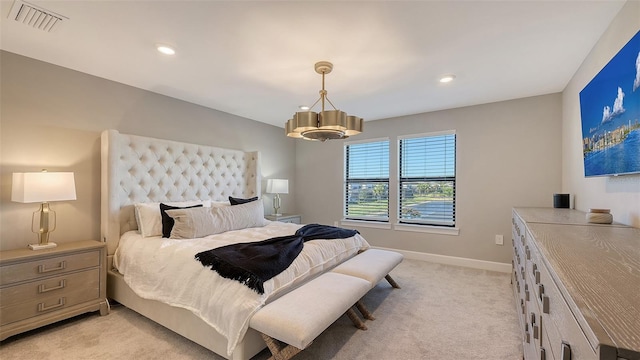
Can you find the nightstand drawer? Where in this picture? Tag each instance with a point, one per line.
(55, 286)
(48, 267)
(285, 218)
(291, 220)
(49, 304)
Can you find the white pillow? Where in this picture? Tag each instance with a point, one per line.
(149, 218)
(199, 222)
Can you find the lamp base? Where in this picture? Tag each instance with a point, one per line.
(48, 245)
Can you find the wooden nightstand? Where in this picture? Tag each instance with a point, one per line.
(41, 287)
(287, 218)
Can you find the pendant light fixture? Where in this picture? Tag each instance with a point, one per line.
(327, 124)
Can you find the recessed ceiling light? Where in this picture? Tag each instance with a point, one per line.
(447, 78)
(303, 107)
(166, 49)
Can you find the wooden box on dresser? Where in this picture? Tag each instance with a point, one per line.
(576, 285)
(44, 286)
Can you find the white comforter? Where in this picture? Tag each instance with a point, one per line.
(166, 270)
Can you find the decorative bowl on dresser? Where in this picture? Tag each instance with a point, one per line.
(577, 286)
(41, 287)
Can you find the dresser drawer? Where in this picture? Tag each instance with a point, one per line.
(546, 352)
(561, 325)
(47, 304)
(24, 271)
(539, 329)
(44, 288)
(518, 230)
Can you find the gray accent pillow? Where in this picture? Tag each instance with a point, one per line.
(194, 223)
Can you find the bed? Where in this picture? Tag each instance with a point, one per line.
(140, 170)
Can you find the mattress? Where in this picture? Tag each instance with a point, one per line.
(166, 270)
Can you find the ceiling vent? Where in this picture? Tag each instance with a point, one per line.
(36, 16)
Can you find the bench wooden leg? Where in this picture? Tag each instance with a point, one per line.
(279, 350)
(356, 320)
(392, 282)
(364, 311)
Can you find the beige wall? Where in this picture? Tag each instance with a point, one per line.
(620, 194)
(508, 154)
(52, 117)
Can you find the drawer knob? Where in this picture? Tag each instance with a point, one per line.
(43, 307)
(535, 331)
(42, 288)
(528, 252)
(42, 269)
(537, 276)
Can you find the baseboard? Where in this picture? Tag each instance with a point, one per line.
(453, 260)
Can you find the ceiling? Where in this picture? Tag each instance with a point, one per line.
(256, 59)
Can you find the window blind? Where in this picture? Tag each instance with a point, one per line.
(427, 179)
(366, 181)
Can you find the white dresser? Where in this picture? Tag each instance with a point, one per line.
(576, 285)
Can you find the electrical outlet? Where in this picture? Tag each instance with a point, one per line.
(499, 240)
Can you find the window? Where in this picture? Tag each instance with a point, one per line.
(366, 180)
(427, 179)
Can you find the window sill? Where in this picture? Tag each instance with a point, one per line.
(367, 224)
(427, 229)
(401, 227)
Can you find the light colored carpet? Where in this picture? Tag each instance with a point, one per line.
(441, 312)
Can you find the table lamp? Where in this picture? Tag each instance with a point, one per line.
(43, 187)
(277, 186)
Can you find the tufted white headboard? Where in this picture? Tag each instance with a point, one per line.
(142, 169)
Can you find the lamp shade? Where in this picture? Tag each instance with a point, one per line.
(277, 186)
(43, 187)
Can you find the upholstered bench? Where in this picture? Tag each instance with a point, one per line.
(298, 317)
(371, 265)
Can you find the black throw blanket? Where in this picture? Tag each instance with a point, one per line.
(254, 263)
